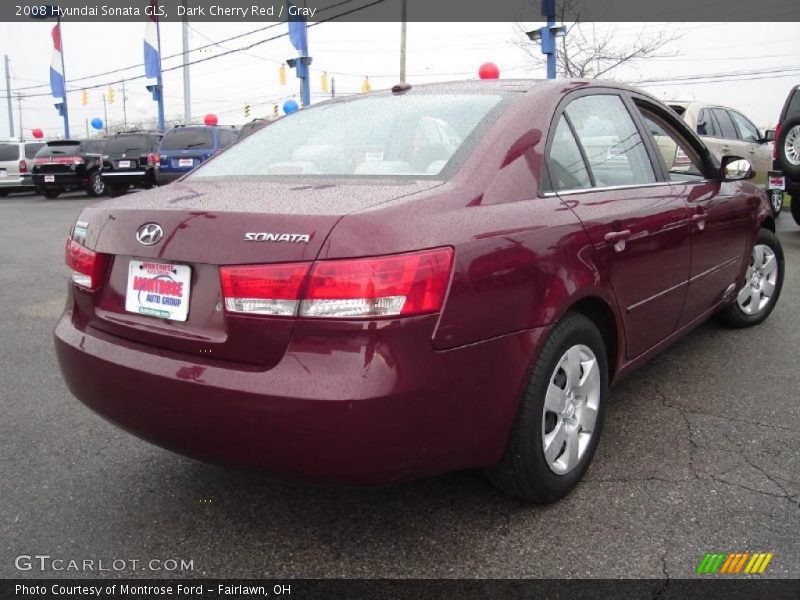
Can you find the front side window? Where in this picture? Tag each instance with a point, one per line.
(400, 135)
(564, 161)
(612, 144)
(747, 131)
(681, 161)
(727, 129)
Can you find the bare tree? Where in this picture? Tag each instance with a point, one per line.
(586, 53)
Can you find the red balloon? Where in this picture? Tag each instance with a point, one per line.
(210, 119)
(37, 133)
(489, 71)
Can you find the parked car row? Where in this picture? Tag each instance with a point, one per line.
(113, 165)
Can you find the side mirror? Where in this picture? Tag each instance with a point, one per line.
(769, 136)
(736, 168)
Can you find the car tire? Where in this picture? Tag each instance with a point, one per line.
(96, 186)
(794, 208)
(787, 148)
(763, 283)
(115, 190)
(776, 201)
(550, 409)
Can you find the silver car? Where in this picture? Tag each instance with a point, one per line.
(727, 131)
(16, 159)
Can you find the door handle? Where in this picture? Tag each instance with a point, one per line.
(700, 220)
(616, 236)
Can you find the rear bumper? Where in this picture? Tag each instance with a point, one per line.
(164, 178)
(16, 183)
(356, 404)
(60, 180)
(125, 177)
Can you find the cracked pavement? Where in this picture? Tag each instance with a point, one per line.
(700, 453)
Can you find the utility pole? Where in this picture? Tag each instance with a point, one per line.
(8, 97)
(187, 94)
(105, 113)
(124, 106)
(403, 19)
(19, 107)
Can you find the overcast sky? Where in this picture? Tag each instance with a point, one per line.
(350, 51)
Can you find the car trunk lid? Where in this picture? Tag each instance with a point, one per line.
(205, 225)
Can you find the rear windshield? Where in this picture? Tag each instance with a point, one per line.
(32, 149)
(60, 149)
(185, 139)
(410, 135)
(9, 152)
(127, 144)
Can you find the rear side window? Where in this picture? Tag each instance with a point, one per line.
(185, 139)
(564, 161)
(705, 124)
(747, 131)
(32, 149)
(727, 129)
(609, 138)
(226, 137)
(793, 106)
(9, 152)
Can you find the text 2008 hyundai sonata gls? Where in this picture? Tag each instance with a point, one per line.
(414, 281)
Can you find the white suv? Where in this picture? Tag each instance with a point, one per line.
(16, 159)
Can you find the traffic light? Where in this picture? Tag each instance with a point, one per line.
(110, 95)
(324, 82)
(84, 97)
(282, 74)
(246, 109)
(365, 86)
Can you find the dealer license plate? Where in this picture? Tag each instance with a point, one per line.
(776, 181)
(124, 164)
(185, 162)
(158, 290)
(3, 172)
(49, 178)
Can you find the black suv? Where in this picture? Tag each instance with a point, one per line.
(68, 165)
(131, 160)
(787, 148)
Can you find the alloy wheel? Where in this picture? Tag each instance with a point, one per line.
(570, 410)
(791, 146)
(98, 186)
(760, 281)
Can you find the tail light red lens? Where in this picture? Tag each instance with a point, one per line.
(775, 145)
(400, 285)
(23, 166)
(153, 159)
(383, 286)
(263, 289)
(86, 267)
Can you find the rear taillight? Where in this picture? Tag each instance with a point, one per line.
(263, 289)
(23, 166)
(85, 266)
(775, 145)
(384, 286)
(153, 159)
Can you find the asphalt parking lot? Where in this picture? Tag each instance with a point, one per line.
(700, 453)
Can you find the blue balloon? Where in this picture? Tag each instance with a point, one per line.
(97, 123)
(290, 106)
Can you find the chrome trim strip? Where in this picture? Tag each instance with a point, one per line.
(117, 173)
(656, 296)
(623, 187)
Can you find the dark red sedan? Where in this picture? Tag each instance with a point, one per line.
(414, 281)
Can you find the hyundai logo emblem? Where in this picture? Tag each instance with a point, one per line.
(149, 234)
